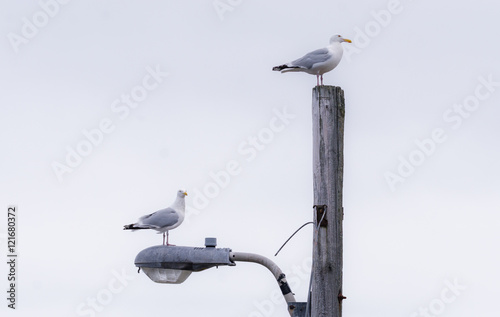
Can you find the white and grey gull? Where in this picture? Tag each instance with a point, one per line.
(163, 220)
(319, 61)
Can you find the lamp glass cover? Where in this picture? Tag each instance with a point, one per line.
(168, 276)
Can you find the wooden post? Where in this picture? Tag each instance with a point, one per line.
(328, 111)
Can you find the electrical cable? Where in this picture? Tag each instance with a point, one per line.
(307, 223)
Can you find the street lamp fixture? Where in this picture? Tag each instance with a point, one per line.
(174, 264)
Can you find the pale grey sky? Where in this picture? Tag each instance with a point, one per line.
(109, 107)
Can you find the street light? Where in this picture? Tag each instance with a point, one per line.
(173, 265)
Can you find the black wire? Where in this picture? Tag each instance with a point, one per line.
(307, 223)
(308, 306)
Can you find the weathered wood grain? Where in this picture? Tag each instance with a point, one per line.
(328, 111)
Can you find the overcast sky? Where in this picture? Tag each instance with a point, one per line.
(109, 107)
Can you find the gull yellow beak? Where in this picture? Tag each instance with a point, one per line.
(347, 40)
(185, 193)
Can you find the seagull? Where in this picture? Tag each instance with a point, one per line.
(164, 219)
(319, 61)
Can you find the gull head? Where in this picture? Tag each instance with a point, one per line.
(339, 39)
(181, 193)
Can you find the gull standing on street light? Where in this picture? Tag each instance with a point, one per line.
(319, 61)
(163, 220)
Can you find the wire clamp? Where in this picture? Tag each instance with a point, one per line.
(321, 215)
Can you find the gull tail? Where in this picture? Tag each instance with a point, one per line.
(280, 68)
(133, 226)
(285, 68)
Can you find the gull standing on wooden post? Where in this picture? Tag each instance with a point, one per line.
(163, 220)
(319, 61)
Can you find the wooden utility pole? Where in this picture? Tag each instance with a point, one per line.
(328, 111)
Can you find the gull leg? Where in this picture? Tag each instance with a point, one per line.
(164, 239)
(317, 80)
(167, 240)
(321, 80)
